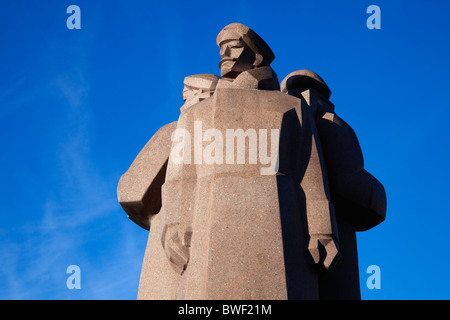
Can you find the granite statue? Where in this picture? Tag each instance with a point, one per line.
(256, 191)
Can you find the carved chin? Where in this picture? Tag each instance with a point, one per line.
(226, 68)
(229, 72)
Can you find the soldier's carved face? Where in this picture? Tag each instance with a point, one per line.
(237, 57)
(192, 95)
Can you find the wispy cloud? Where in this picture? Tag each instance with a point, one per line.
(72, 220)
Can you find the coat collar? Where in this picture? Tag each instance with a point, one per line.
(263, 78)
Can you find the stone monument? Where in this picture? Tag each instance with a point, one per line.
(256, 192)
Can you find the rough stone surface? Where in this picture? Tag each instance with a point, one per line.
(139, 189)
(256, 192)
(197, 88)
(359, 199)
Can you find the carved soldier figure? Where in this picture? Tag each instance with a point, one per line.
(198, 88)
(139, 193)
(223, 225)
(249, 234)
(358, 197)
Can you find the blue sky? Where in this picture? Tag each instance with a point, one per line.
(76, 106)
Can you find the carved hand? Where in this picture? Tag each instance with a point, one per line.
(176, 251)
(324, 248)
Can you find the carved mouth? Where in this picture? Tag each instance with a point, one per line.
(225, 61)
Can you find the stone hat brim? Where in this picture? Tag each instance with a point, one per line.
(306, 79)
(237, 31)
(205, 81)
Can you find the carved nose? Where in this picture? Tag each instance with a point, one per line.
(224, 51)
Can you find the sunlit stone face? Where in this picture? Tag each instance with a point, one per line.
(237, 57)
